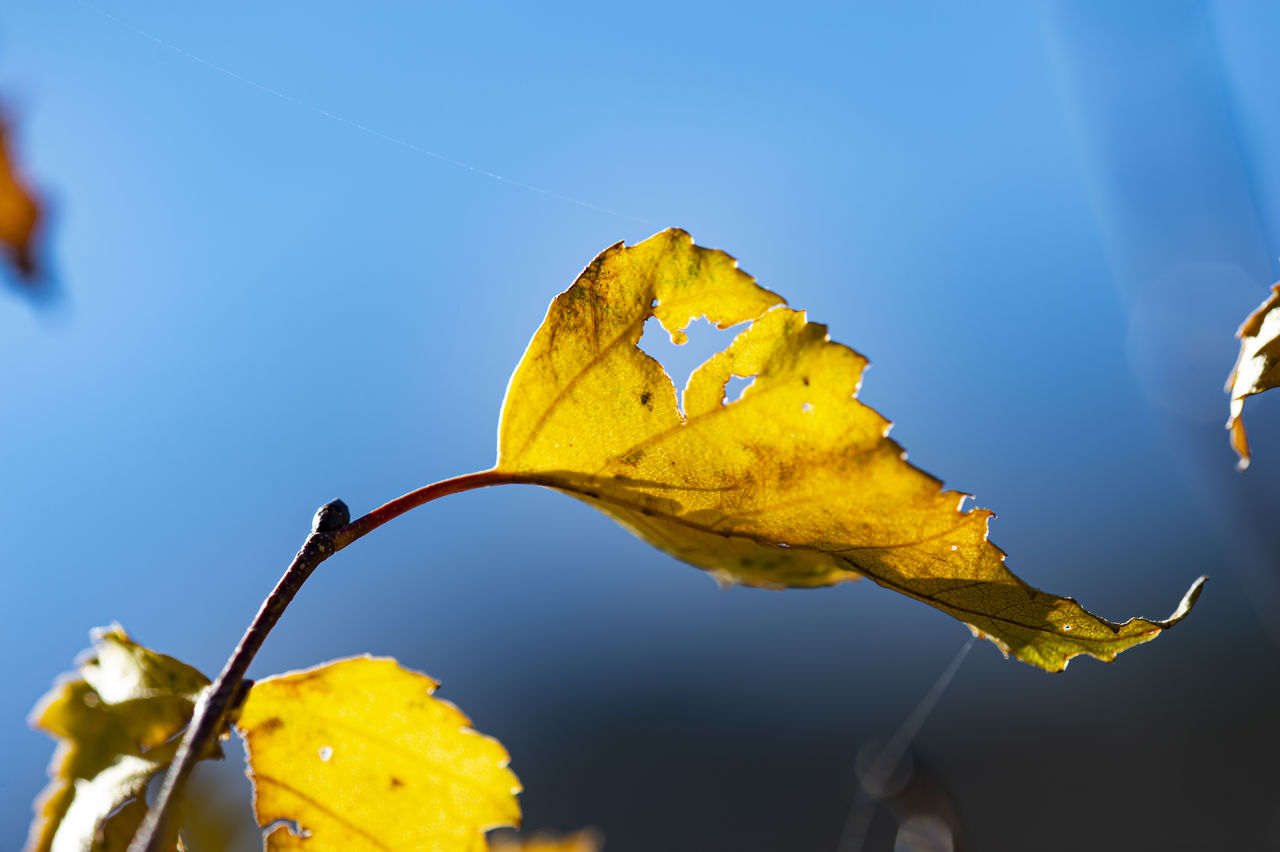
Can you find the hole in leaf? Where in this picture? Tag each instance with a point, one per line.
(292, 826)
(680, 361)
(807, 408)
(736, 387)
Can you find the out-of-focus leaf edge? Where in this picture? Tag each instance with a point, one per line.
(1257, 369)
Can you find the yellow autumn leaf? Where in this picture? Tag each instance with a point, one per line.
(793, 484)
(360, 756)
(1257, 367)
(581, 841)
(117, 721)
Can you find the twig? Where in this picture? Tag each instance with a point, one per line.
(331, 530)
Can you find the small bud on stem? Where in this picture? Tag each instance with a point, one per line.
(333, 515)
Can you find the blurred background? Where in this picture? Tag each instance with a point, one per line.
(281, 270)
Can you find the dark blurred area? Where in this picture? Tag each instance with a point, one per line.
(1042, 223)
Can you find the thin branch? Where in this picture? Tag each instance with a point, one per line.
(330, 532)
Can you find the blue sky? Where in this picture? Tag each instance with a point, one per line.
(1041, 222)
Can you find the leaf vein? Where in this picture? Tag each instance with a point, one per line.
(596, 358)
(685, 423)
(325, 809)
(878, 577)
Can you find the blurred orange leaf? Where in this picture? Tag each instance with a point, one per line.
(581, 841)
(19, 213)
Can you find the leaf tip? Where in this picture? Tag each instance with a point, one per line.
(1239, 438)
(1188, 601)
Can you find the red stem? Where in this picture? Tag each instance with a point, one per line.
(397, 507)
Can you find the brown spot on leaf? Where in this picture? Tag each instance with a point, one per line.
(274, 723)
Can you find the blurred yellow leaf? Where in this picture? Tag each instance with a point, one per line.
(582, 841)
(793, 484)
(360, 756)
(118, 723)
(1257, 367)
